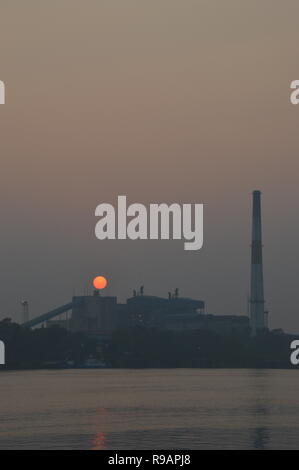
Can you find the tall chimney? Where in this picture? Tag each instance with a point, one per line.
(258, 316)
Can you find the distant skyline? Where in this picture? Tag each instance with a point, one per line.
(167, 101)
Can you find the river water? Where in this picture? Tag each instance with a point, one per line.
(149, 409)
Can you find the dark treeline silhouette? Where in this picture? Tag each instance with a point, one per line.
(44, 347)
(141, 347)
(144, 347)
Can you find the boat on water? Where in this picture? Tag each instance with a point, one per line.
(93, 363)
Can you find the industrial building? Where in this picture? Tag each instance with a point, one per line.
(99, 316)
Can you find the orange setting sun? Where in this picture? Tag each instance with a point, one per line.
(100, 282)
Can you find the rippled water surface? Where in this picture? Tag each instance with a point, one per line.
(149, 409)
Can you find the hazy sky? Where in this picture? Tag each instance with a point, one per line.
(164, 101)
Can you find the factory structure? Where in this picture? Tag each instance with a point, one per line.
(258, 315)
(98, 315)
